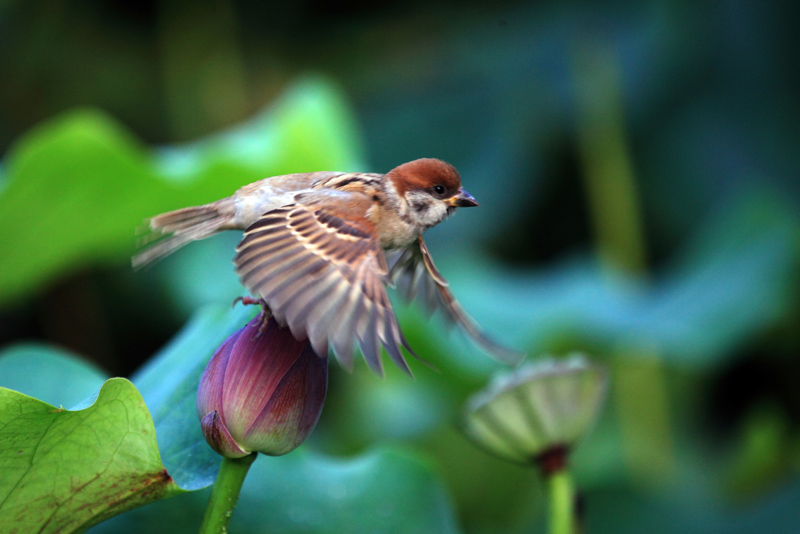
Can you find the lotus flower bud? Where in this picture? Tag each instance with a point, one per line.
(539, 412)
(262, 391)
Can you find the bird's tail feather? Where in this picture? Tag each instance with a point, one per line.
(170, 231)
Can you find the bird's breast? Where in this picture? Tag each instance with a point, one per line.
(393, 231)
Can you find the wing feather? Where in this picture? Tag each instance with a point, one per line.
(368, 341)
(323, 274)
(344, 328)
(415, 275)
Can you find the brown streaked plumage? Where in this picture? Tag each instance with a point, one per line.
(314, 249)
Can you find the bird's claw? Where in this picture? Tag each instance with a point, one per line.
(265, 315)
(248, 300)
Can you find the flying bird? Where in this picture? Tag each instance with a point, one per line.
(320, 248)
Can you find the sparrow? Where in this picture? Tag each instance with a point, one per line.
(320, 248)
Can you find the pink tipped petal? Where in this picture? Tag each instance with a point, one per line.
(316, 389)
(257, 364)
(209, 392)
(219, 438)
(262, 391)
(294, 409)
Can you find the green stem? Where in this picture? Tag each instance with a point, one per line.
(607, 166)
(225, 494)
(642, 403)
(562, 502)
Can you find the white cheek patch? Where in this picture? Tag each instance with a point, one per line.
(437, 213)
(426, 210)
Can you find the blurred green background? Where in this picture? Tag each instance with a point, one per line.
(637, 166)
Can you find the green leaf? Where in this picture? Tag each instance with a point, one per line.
(63, 471)
(390, 490)
(168, 384)
(386, 490)
(309, 128)
(73, 195)
(76, 187)
(60, 379)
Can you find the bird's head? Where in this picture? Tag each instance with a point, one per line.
(431, 189)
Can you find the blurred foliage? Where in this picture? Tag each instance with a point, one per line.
(98, 183)
(637, 170)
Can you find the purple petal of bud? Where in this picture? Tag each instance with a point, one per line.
(263, 391)
(294, 408)
(209, 393)
(219, 438)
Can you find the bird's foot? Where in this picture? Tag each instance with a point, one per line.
(264, 316)
(248, 301)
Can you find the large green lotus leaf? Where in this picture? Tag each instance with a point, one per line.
(201, 274)
(76, 187)
(75, 190)
(384, 490)
(389, 490)
(168, 384)
(309, 128)
(49, 374)
(63, 471)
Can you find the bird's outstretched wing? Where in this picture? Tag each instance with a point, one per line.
(415, 276)
(321, 270)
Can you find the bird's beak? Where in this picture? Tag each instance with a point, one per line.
(462, 200)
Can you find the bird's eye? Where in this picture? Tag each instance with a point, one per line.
(439, 190)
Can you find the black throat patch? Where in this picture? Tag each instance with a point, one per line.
(420, 206)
